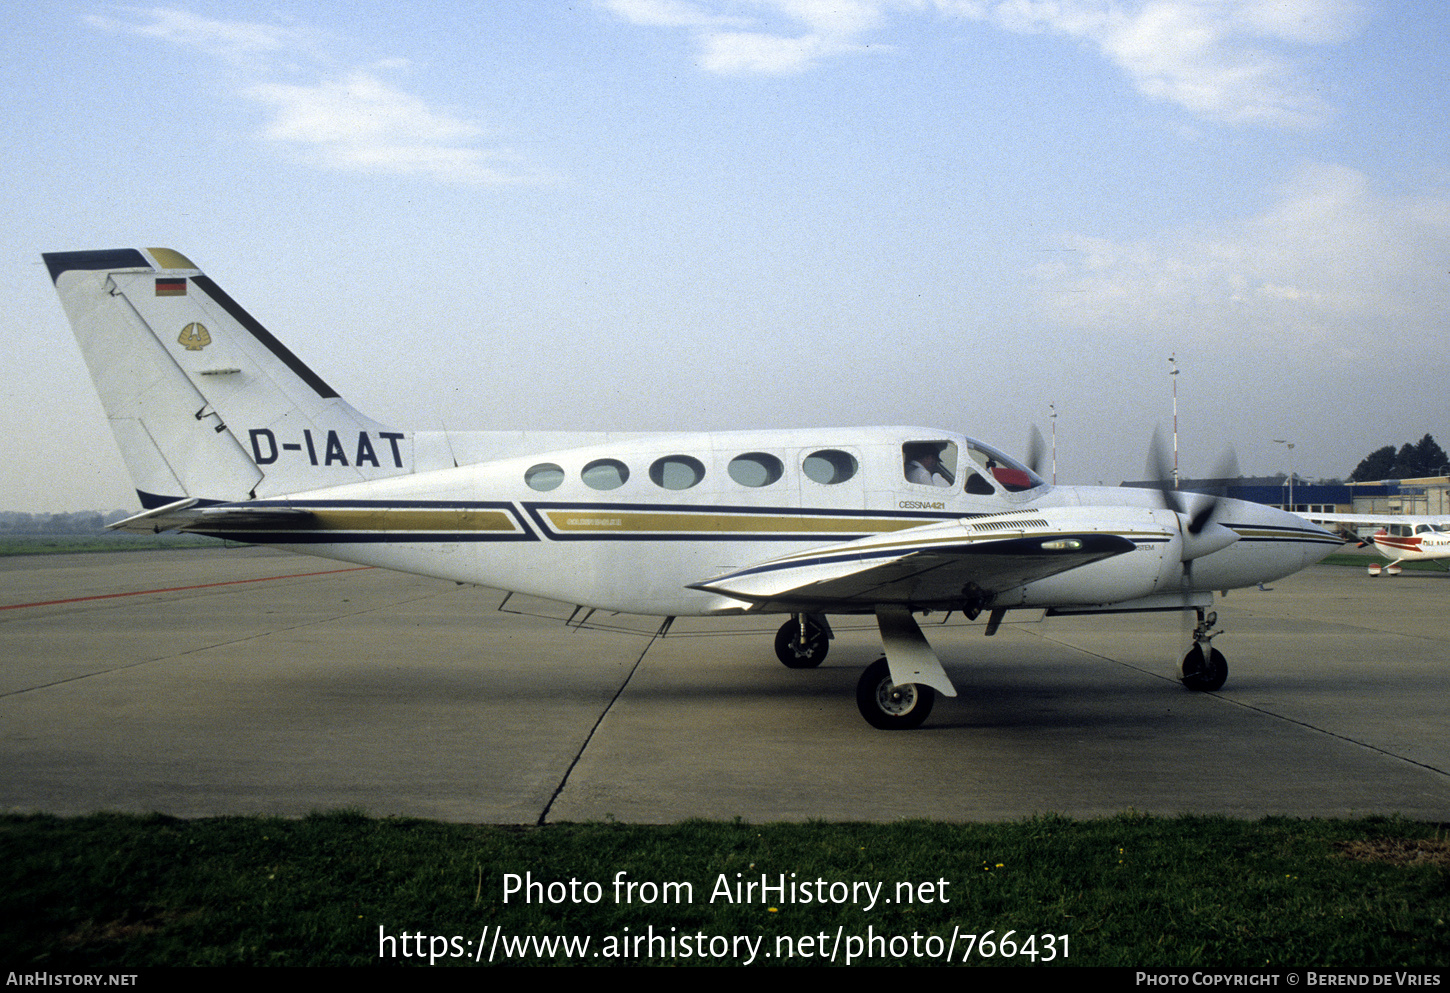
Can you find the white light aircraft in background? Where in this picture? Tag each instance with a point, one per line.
(226, 432)
(1400, 538)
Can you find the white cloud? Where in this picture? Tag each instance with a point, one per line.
(351, 121)
(1225, 60)
(767, 37)
(360, 123)
(1331, 265)
(1308, 22)
(357, 109)
(235, 41)
(732, 52)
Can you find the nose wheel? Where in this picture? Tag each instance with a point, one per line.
(1204, 668)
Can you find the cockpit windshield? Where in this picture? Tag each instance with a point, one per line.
(1010, 474)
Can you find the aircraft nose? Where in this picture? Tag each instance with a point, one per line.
(1301, 542)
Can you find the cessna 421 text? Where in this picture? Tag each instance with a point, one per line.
(225, 432)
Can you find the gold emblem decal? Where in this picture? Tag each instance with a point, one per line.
(195, 337)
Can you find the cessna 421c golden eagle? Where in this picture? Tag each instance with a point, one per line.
(225, 432)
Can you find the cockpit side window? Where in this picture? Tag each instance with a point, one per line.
(930, 463)
(1011, 475)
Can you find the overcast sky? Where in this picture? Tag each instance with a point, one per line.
(710, 214)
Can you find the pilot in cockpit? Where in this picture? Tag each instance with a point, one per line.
(923, 465)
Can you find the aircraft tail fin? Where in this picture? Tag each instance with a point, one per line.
(204, 402)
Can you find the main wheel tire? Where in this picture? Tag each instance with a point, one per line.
(1204, 676)
(888, 706)
(795, 655)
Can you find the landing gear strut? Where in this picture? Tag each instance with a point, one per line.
(803, 641)
(1204, 667)
(888, 706)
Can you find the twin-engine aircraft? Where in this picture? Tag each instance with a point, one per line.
(226, 432)
(1407, 538)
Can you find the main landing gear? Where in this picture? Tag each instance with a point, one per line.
(803, 641)
(888, 706)
(1204, 667)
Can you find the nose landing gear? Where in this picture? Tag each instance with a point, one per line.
(1204, 667)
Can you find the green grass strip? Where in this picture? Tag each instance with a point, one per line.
(109, 892)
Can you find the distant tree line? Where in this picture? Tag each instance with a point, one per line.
(1423, 459)
(76, 522)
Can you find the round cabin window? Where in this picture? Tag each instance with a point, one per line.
(605, 474)
(755, 469)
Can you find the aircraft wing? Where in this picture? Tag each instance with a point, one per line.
(1375, 519)
(192, 515)
(1346, 525)
(943, 564)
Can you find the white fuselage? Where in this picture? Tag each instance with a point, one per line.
(1427, 542)
(629, 524)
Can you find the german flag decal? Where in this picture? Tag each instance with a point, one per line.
(170, 286)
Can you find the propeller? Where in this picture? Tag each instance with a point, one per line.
(1201, 534)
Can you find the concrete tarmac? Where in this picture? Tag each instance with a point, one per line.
(242, 681)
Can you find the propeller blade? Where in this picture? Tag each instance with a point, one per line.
(1226, 468)
(1159, 470)
(1035, 447)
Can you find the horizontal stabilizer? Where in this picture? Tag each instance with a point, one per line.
(187, 515)
(168, 518)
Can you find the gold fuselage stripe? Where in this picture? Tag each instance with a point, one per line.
(414, 520)
(604, 520)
